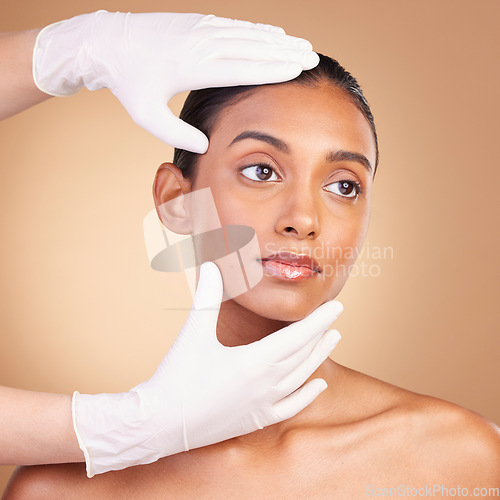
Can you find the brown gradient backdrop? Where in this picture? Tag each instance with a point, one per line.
(80, 307)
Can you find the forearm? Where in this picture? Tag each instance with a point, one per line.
(17, 88)
(36, 428)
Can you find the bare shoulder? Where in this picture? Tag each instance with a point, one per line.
(456, 440)
(435, 438)
(40, 482)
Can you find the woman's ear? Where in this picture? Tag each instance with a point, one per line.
(169, 188)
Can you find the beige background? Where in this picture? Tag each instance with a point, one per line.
(81, 309)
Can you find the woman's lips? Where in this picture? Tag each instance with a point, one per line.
(290, 266)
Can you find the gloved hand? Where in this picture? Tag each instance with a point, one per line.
(204, 392)
(146, 59)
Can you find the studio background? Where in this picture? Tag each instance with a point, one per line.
(80, 308)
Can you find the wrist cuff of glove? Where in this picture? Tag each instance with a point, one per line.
(81, 444)
(54, 62)
(62, 56)
(116, 431)
(104, 425)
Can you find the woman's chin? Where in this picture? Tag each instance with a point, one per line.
(276, 307)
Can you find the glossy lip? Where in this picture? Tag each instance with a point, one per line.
(294, 259)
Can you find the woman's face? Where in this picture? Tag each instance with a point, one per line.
(286, 161)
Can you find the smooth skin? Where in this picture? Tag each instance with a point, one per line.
(360, 433)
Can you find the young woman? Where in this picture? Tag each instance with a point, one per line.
(296, 162)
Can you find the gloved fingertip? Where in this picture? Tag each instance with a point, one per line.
(338, 306)
(332, 338)
(329, 311)
(319, 384)
(313, 389)
(290, 70)
(209, 268)
(185, 137)
(300, 43)
(310, 60)
(164, 125)
(210, 287)
(197, 144)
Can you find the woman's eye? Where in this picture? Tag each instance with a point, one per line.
(347, 189)
(259, 173)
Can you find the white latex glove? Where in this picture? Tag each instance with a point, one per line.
(146, 59)
(204, 392)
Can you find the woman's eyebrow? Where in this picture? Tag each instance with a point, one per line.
(343, 155)
(260, 136)
(333, 156)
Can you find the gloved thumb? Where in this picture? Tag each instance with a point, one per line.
(163, 124)
(209, 291)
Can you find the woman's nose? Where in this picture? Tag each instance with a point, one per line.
(299, 216)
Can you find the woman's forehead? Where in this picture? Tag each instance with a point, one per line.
(268, 100)
(294, 112)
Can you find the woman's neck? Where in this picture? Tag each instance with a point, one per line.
(239, 326)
